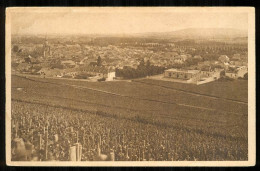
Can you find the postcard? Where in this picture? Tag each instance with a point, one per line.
(130, 86)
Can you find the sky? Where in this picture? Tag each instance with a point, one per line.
(121, 20)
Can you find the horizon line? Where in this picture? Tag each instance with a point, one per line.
(123, 34)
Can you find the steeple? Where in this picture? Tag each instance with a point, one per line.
(45, 41)
(46, 48)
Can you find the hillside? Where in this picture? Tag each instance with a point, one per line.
(200, 33)
(181, 118)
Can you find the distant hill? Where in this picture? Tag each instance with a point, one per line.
(199, 33)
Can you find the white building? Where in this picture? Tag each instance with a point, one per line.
(223, 58)
(111, 76)
(185, 75)
(236, 72)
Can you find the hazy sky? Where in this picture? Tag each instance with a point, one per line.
(122, 21)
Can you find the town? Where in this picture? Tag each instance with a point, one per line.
(108, 59)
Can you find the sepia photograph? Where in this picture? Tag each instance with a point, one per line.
(130, 86)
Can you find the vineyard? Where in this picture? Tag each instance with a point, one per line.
(136, 121)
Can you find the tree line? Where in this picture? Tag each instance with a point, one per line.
(143, 69)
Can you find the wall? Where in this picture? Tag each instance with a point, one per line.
(231, 75)
(240, 73)
(111, 76)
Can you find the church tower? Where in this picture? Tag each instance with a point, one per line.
(46, 48)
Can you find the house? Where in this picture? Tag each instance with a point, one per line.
(99, 71)
(206, 71)
(170, 45)
(50, 72)
(43, 71)
(83, 61)
(27, 59)
(236, 72)
(111, 76)
(214, 74)
(236, 57)
(68, 63)
(23, 67)
(71, 74)
(191, 75)
(197, 57)
(180, 59)
(223, 58)
(239, 63)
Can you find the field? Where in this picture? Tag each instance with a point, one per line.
(205, 122)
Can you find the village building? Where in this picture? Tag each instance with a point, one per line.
(223, 59)
(236, 57)
(236, 72)
(110, 76)
(27, 59)
(170, 44)
(68, 63)
(209, 75)
(46, 49)
(197, 57)
(205, 75)
(99, 71)
(180, 59)
(24, 67)
(50, 72)
(187, 75)
(239, 63)
(206, 71)
(70, 74)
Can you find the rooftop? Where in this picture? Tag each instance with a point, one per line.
(235, 69)
(182, 70)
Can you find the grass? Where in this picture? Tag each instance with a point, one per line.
(148, 102)
(235, 90)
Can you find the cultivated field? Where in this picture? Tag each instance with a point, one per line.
(205, 122)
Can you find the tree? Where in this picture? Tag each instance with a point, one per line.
(222, 73)
(246, 76)
(118, 73)
(15, 48)
(27, 60)
(99, 61)
(148, 63)
(141, 64)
